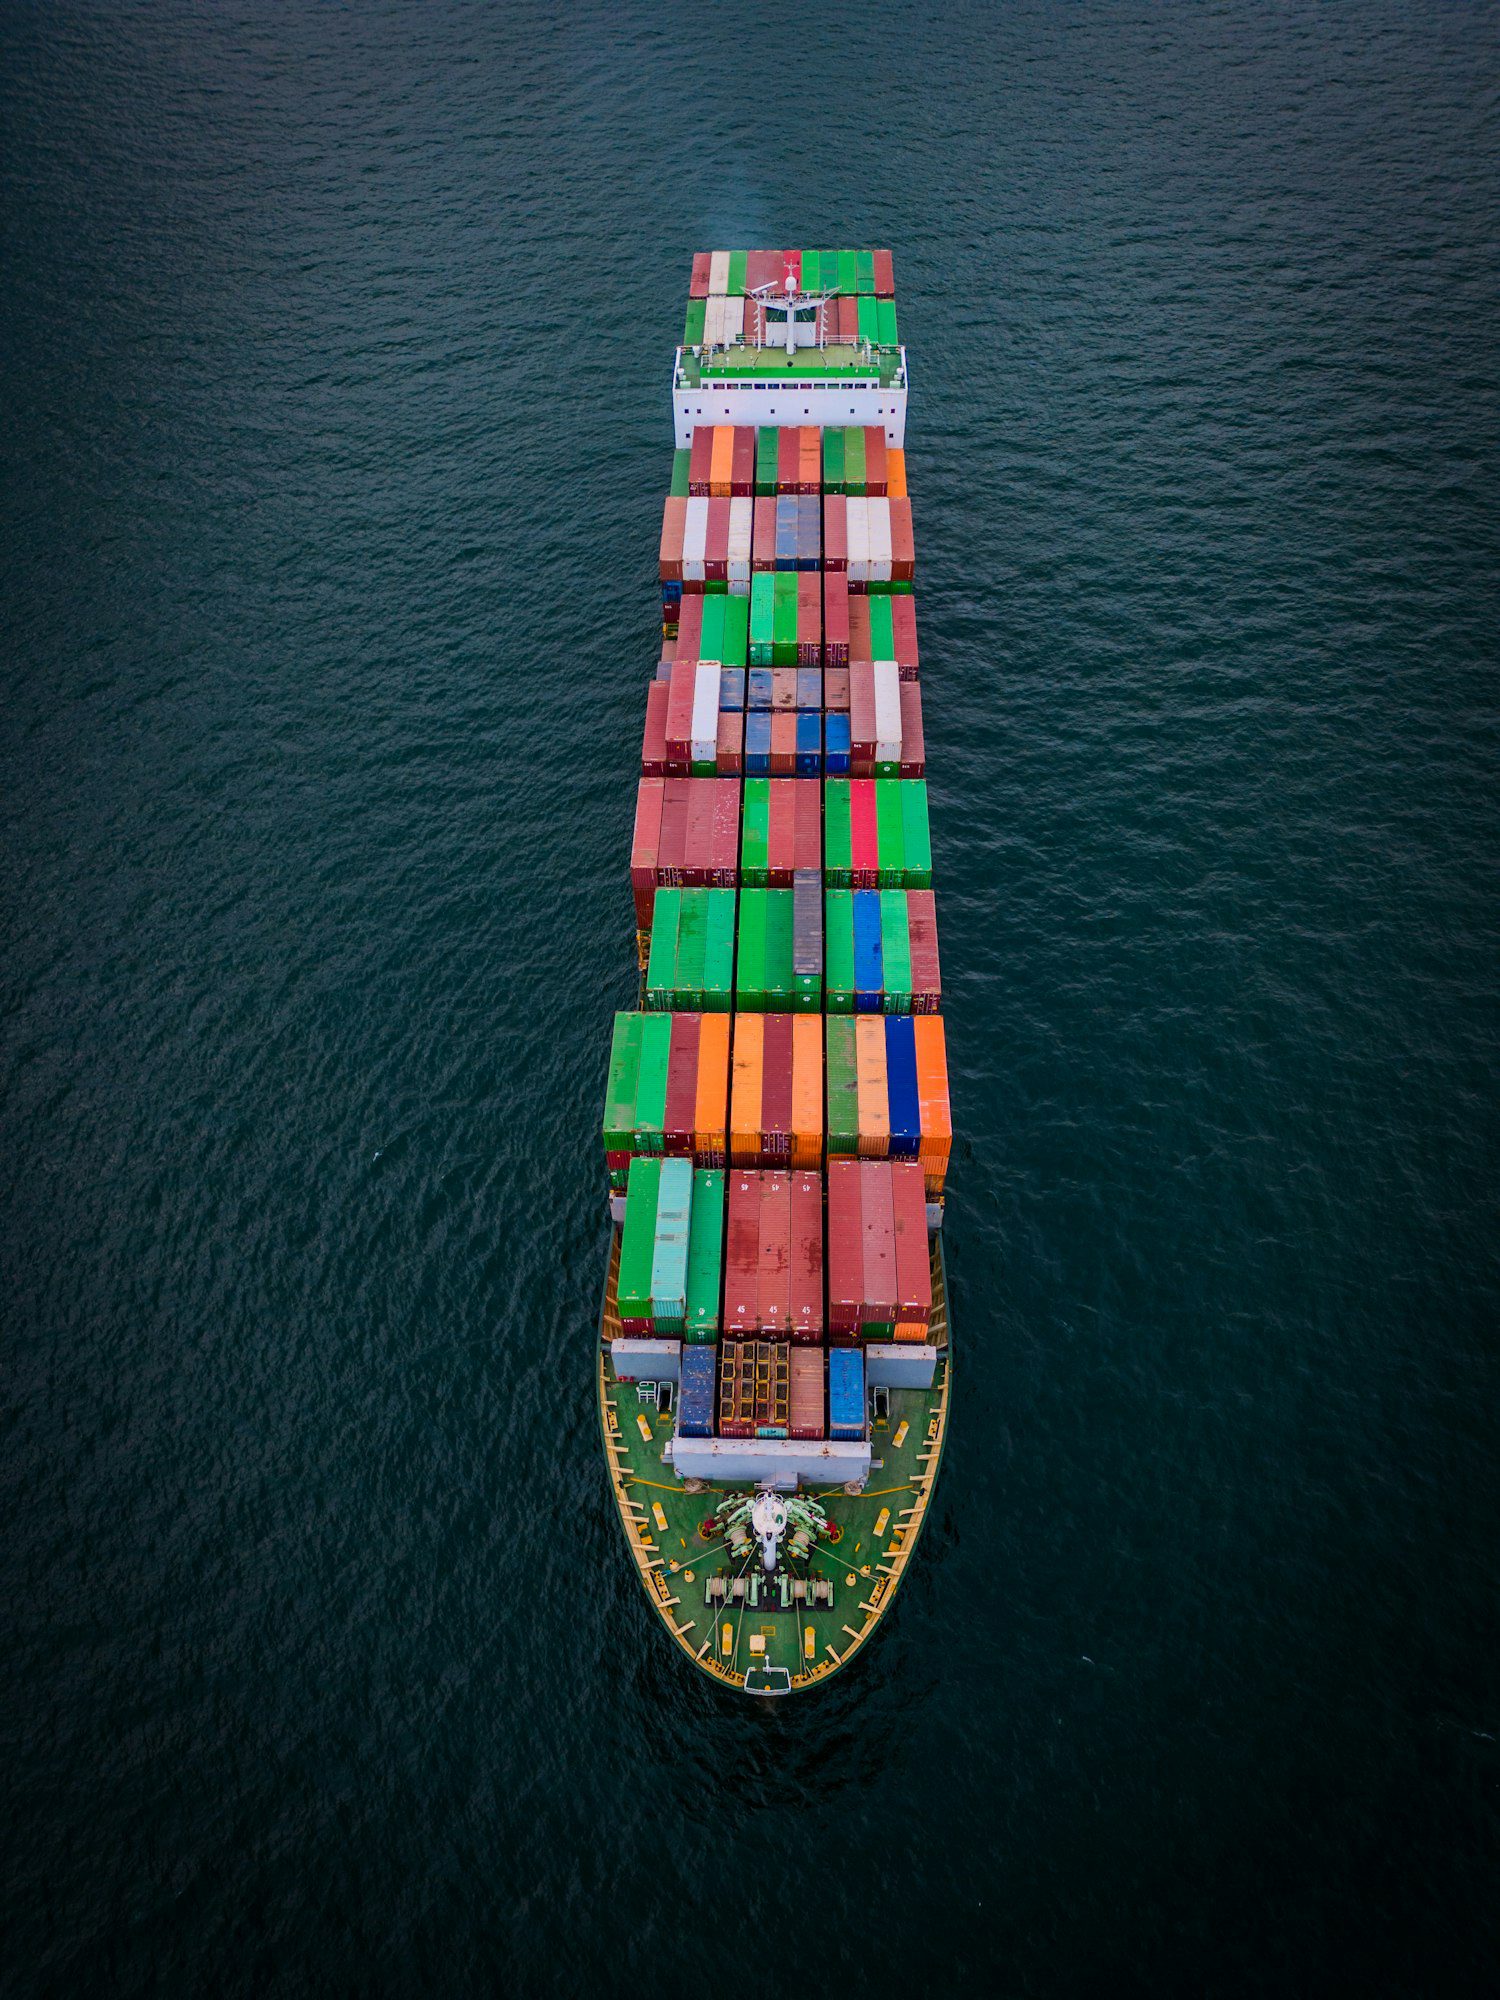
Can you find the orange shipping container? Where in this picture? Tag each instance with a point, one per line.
(721, 461)
(932, 1098)
(874, 1089)
(807, 1090)
(745, 1089)
(895, 472)
(810, 459)
(712, 1101)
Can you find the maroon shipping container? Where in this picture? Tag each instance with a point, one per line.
(875, 465)
(783, 745)
(913, 743)
(807, 1398)
(904, 626)
(807, 847)
(644, 847)
(836, 690)
(845, 1252)
(835, 533)
(878, 1214)
(835, 618)
(682, 1087)
(903, 548)
(696, 865)
(788, 458)
(859, 628)
(716, 547)
(672, 841)
(809, 618)
(926, 973)
(742, 466)
(847, 316)
(700, 455)
(698, 283)
(885, 276)
(913, 1259)
(724, 839)
(762, 267)
(669, 558)
(679, 743)
(775, 1254)
(806, 1274)
(763, 532)
(654, 742)
(776, 1088)
(690, 626)
(783, 687)
(729, 751)
(742, 1257)
(861, 713)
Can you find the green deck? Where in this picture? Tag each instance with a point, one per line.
(865, 1565)
(807, 364)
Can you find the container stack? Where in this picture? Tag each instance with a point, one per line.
(777, 1127)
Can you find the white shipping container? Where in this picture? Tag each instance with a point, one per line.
(704, 728)
(857, 515)
(887, 712)
(734, 317)
(741, 524)
(718, 271)
(878, 513)
(695, 539)
(713, 323)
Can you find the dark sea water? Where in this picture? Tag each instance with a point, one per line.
(335, 414)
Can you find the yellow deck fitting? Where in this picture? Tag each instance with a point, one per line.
(726, 1638)
(851, 1579)
(809, 1642)
(643, 1427)
(882, 1522)
(900, 1438)
(659, 1516)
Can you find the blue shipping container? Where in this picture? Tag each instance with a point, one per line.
(731, 690)
(836, 745)
(901, 1086)
(846, 1390)
(758, 743)
(869, 964)
(695, 1392)
(759, 686)
(809, 746)
(810, 689)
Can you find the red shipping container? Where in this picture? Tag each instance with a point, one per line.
(680, 715)
(697, 843)
(861, 711)
(654, 742)
(807, 848)
(762, 267)
(904, 627)
(776, 1089)
(724, 851)
(913, 742)
(926, 972)
(644, 847)
(809, 618)
(885, 275)
(742, 474)
(729, 751)
(836, 534)
(807, 1418)
(672, 840)
(698, 283)
(878, 1213)
(913, 1258)
(783, 745)
(835, 618)
(716, 547)
(864, 845)
(806, 1274)
(875, 467)
(847, 317)
(788, 458)
(859, 628)
(682, 1085)
(690, 626)
(775, 1254)
(742, 1256)
(783, 687)
(836, 690)
(845, 1252)
(669, 557)
(700, 456)
(903, 548)
(763, 532)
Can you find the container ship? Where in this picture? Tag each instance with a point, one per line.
(774, 1361)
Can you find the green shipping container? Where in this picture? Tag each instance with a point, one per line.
(864, 271)
(638, 1239)
(784, 617)
(837, 846)
(882, 634)
(661, 966)
(762, 617)
(854, 460)
(755, 833)
(736, 633)
(705, 1275)
(869, 321)
(718, 952)
(895, 951)
(692, 326)
(812, 270)
(680, 463)
(833, 459)
(843, 1085)
(737, 272)
(692, 930)
(669, 1251)
(890, 841)
(765, 458)
(848, 272)
(712, 646)
(916, 834)
(838, 950)
(886, 316)
(651, 1082)
(750, 961)
(781, 986)
(619, 1091)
